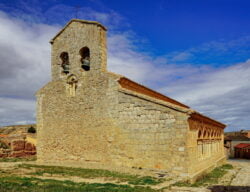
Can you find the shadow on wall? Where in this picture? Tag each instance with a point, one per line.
(221, 188)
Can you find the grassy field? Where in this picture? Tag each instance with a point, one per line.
(24, 184)
(11, 159)
(40, 178)
(28, 177)
(93, 173)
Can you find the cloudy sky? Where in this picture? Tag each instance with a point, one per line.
(197, 52)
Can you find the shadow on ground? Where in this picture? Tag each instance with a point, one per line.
(221, 188)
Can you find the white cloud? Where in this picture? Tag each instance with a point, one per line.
(123, 58)
(211, 83)
(222, 94)
(25, 61)
(181, 56)
(14, 111)
(24, 66)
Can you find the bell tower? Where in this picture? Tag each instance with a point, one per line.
(79, 49)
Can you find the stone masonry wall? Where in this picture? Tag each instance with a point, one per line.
(101, 124)
(151, 135)
(76, 36)
(74, 128)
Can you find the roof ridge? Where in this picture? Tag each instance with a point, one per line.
(80, 21)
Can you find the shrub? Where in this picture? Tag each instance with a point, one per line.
(31, 130)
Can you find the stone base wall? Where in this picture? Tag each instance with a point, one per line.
(206, 167)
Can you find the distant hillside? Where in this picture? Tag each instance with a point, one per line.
(15, 129)
(18, 141)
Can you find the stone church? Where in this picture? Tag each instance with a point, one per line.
(88, 114)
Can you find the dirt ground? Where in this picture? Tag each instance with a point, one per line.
(235, 180)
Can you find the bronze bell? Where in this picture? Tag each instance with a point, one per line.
(65, 68)
(86, 64)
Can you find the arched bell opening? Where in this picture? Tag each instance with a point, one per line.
(85, 58)
(65, 62)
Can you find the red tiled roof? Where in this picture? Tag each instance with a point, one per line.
(133, 86)
(242, 145)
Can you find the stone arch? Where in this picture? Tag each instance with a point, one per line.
(217, 133)
(85, 58)
(199, 134)
(204, 134)
(212, 134)
(208, 134)
(220, 133)
(64, 56)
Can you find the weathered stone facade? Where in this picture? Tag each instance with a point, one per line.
(97, 116)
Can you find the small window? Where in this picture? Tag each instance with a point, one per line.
(65, 62)
(71, 85)
(85, 58)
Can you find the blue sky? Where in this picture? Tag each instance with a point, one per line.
(194, 51)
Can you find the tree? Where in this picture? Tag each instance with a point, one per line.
(31, 130)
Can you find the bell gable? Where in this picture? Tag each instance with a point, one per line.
(79, 48)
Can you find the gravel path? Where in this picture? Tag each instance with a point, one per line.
(243, 176)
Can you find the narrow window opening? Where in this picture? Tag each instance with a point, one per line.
(199, 134)
(85, 58)
(72, 85)
(65, 62)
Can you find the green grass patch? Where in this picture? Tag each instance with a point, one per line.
(147, 180)
(24, 184)
(93, 173)
(210, 178)
(12, 159)
(227, 166)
